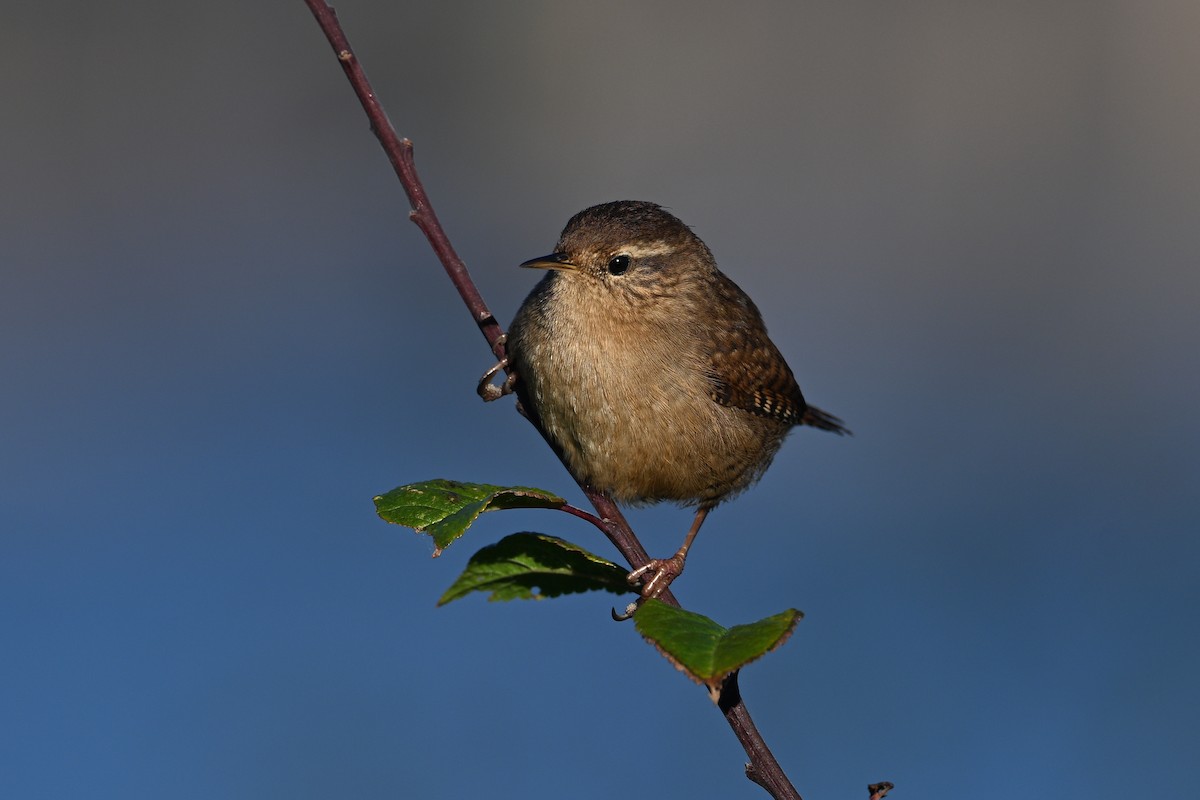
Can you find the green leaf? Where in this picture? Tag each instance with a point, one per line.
(512, 567)
(445, 509)
(702, 649)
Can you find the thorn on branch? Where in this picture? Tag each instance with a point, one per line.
(755, 777)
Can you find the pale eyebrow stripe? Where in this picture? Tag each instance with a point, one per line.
(659, 248)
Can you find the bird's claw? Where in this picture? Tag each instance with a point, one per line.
(490, 391)
(628, 613)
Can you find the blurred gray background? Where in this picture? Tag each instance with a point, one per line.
(971, 228)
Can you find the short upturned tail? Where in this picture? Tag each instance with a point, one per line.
(824, 420)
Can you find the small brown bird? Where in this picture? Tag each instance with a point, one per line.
(650, 370)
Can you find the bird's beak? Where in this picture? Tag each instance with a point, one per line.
(552, 261)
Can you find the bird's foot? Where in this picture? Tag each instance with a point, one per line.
(490, 391)
(661, 572)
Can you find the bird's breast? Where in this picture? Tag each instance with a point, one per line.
(627, 400)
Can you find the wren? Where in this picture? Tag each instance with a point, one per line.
(649, 370)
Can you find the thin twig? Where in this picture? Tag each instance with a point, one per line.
(763, 768)
(400, 154)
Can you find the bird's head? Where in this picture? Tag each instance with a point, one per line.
(632, 249)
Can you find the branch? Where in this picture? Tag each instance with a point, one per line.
(400, 153)
(763, 768)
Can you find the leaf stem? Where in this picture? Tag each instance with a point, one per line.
(575, 511)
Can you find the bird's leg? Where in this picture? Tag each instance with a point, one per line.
(665, 570)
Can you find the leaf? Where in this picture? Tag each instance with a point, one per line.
(445, 509)
(512, 567)
(702, 649)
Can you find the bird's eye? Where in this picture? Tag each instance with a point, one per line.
(618, 265)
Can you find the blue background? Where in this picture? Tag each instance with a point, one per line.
(972, 229)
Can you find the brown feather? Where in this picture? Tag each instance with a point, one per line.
(749, 372)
